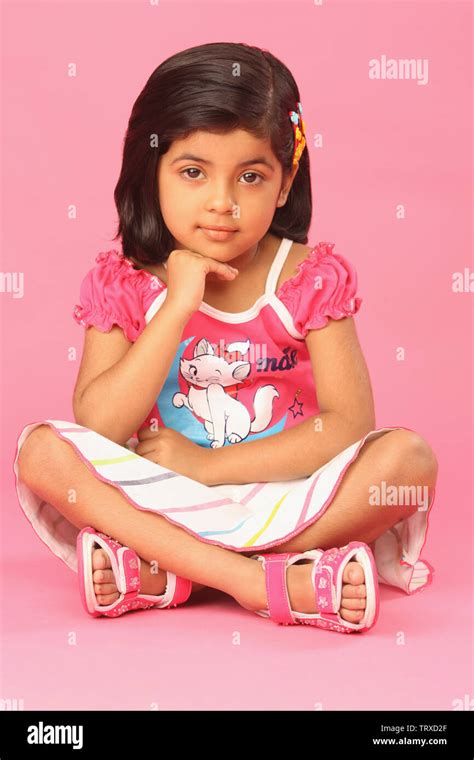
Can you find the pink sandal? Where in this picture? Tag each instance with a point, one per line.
(126, 568)
(327, 582)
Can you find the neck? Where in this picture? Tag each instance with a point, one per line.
(244, 261)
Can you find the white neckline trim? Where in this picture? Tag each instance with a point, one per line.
(277, 266)
(268, 297)
(272, 279)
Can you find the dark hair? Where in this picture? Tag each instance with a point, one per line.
(197, 89)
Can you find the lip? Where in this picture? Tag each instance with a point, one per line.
(217, 227)
(218, 233)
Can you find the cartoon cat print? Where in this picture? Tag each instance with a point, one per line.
(225, 418)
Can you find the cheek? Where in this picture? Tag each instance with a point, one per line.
(177, 207)
(178, 219)
(261, 201)
(257, 213)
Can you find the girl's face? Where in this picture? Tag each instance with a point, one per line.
(232, 180)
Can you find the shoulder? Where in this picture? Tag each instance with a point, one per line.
(297, 254)
(113, 273)
(111, 264)
(305, 259)
(113, 292)
(316, 284)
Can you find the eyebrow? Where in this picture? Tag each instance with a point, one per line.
(192, 157)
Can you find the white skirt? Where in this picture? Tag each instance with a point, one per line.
(254, 516)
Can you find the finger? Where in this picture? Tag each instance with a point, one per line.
(149, 435)
(145, 433)
(220, 268)
(152, 456)
(144, 448)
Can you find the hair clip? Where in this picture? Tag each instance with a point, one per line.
(298, 132)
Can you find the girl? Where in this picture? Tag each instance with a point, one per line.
(209, 334)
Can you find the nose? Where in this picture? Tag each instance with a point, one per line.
(220, 198)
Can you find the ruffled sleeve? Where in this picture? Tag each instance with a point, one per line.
(324, 287)
(112, 293)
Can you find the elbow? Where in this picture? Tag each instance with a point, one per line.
(357, 426)
(364, 426)
(77, 408)
(368, 423)
(78, 416)
(83, 419)
(91, 423)
(85, 416)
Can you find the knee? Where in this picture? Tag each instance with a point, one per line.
(33, 451)
(413, 454)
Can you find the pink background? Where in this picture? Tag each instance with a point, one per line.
(386, 142)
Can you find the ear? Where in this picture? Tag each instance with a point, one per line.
(241, 370)
(286, 186)
(241, 346)
(203, 347)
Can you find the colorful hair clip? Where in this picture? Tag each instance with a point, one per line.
(298, 132)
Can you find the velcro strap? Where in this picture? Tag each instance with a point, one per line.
(182, 591)
(277, 593)
(324, 588)
(131, 572)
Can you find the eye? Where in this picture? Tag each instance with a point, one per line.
(192, 169)
(247, 174)
(252, 174)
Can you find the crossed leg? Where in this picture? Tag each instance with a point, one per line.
(51, 467)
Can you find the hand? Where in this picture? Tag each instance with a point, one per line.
(174, 451)
(187, 271)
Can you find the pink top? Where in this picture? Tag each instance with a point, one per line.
(236, 376)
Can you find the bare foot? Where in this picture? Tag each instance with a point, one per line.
(301, 591)
(105, 587)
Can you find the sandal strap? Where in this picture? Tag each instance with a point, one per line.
(326, 581)
(277, 591)
(325, 575)
(177, 591)
(126, 565)
(129, 572)
(328, 578)
(184, 587)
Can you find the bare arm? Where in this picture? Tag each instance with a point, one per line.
(346, 405)
(117, 400)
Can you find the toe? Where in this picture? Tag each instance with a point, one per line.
(107, 598)
(352, 616)
(100, 560)
(353, 592)
(353, 573)
(354, 604)
(105, 588)
(103, 576)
